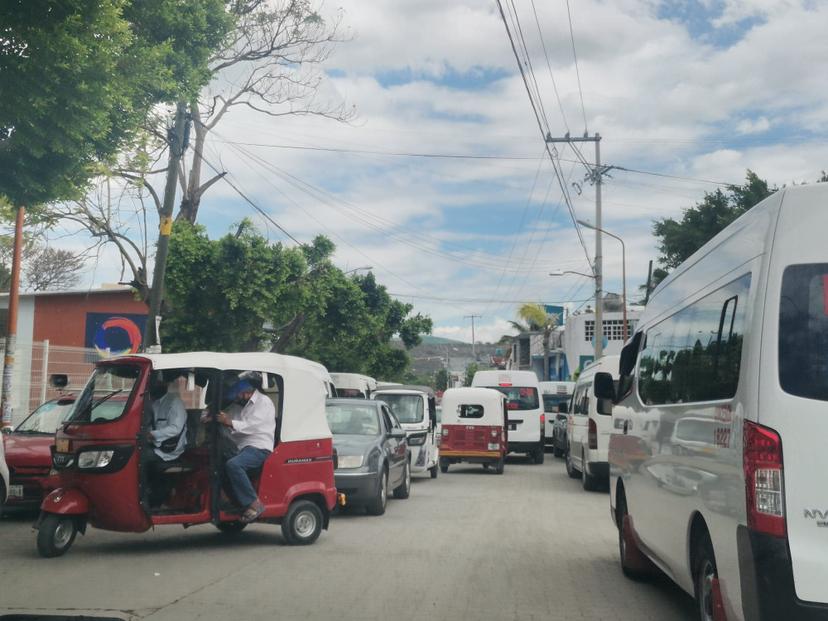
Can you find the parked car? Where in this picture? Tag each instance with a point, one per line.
(372, 453)
(589, 426)
(525, 412)
(732, 346)
(29, 456)
(416, 409)
(559, 430)
(553, 394)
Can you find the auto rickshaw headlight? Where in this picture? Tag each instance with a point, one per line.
(350, 461)
(94, 459)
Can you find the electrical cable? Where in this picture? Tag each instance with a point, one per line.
(577, 71)
(549, 66)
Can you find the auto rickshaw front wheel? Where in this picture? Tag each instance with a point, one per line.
(303, 523)
(231, 528)
(55, 535)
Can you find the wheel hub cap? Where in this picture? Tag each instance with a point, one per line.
(305, 524)
(63, 533)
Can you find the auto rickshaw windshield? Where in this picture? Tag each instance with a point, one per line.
(106, 394)
(407, 408)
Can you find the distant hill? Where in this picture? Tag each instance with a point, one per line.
(439, 340)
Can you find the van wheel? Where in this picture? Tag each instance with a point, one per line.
(500, 465)
(303, 523)
(706, 579)
(444, 464)
(588, 481)
(571, 470)
(434, 471)
(557, 452)
(404, 489)
(55, 535)
(540, 454)
(231, 528)
(634, 564)
(380, 500)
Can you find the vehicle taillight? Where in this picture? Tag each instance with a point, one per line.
(335, 459)
(762, 460)
(494, 433)
(592, 434)
(543, 420)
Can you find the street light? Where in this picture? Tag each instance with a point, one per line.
(357, 269)
(562, 272)
(623, 267)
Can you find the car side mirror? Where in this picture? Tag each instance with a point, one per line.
(396, 433)
(563, 407)
(603, 386)
(59, 380)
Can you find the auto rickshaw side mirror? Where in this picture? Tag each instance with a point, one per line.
(59, 380)
(7, 430)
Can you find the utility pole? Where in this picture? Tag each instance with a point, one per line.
(649, 280)
(473, 317)
(177, 141)
(595, 176)
(11, 328)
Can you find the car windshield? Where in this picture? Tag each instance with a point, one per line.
(803, 331)
(355, 420)
(550, 402)
(105, 395)
(407, 408)
(520, 397)
(47, 418)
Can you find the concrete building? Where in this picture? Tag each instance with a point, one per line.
(579, 335)
(527, 354)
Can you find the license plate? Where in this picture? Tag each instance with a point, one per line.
(62, 446)
(15, 491)
(494, 447)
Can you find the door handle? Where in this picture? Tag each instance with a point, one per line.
(626, 426)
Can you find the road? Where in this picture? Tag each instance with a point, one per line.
(470, 545)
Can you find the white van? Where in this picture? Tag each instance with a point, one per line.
(589, 426)
(553, 394)
(416, 409)
(726, 492)
(353, 385)
(524, 408)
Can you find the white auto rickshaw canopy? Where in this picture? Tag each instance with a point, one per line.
(305, 384)
(354, 381)
(491, 400)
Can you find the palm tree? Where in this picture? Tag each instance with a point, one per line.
(535, 319)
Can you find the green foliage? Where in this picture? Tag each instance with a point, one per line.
(241, 293)
(678, 239)
(80, 76)
(441, 379)
(471, 369)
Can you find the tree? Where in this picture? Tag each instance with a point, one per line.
(52, 269)
(471, 369)
(678, 239)
(441, 379)
(536, 319)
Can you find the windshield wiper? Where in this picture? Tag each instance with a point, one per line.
(105, 397)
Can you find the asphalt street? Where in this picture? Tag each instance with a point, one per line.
(530, 544)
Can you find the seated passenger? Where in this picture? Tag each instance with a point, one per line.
(167, 437)
(253, 429)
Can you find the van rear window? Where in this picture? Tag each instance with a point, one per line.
(520, 397)
(803, 331)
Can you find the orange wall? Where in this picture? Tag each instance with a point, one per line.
(62, 318)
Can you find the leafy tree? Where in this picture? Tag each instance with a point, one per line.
(535, 319)
(441, 379)
(471, 369)
(53, 269)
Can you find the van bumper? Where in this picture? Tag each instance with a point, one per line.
(524, 447)
(766, 576)
(599, 469)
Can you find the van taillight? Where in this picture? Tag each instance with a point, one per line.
(592, 434)
(543, 420)
(762, 460)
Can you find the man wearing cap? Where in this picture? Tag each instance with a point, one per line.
(253, 430)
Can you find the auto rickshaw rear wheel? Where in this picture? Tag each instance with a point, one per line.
(231, 528)
(303, 523)
(55, 535)
(500, 465)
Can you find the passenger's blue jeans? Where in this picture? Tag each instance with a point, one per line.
(249, 458)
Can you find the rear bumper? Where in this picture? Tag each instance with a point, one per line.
(598, 469)
(454, 456)
(766, 575)
(524, 447)
(358, 487)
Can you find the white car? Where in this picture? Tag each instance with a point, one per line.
(588, 428)
(523, 406)
(718, 457)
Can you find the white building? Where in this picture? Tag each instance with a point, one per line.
(579, 335)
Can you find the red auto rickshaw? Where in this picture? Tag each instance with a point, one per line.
(474, 428)
(100, 452)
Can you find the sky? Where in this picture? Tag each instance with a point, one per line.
(697, 91)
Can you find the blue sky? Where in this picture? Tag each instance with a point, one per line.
(702, 89)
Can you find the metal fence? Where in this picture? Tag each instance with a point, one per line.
(35, 363)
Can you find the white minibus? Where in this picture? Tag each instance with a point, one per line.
(523, 406)
(588, 428)
(553, 394)
(718, 458)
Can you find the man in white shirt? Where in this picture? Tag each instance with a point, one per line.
(167, 436)
(254, 431)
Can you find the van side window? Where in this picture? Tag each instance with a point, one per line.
(695, 355)
(471, 411)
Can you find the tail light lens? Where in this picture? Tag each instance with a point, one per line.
(762, 460)
(543, 419)
(592, 434)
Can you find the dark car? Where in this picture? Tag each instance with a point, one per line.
(372, 453)
(559, 435)
(29, 456)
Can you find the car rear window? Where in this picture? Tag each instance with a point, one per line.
(803, 331)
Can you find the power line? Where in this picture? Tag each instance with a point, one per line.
(549, 66)
(577, 71)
